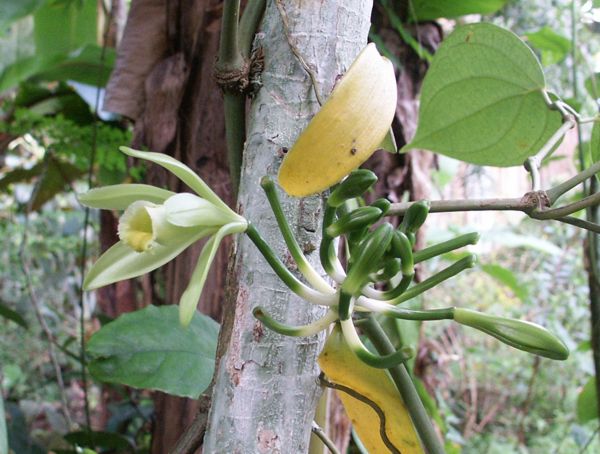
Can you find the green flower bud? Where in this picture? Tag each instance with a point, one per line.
(415, 217)
(355, 185)
(355, 220)
(367, 258)
(383, 204)
(520, 334)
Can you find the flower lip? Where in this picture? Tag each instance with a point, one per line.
(136, 227)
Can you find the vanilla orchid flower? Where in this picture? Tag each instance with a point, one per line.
(157, 225)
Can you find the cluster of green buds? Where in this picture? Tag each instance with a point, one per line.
(157, 225)
(378, 276)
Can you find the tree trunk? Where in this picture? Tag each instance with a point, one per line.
(164, 81)
(266, 388)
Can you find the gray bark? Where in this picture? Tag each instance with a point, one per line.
(266, 384)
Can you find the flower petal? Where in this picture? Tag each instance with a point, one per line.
(181, 171)
(120, 196)
(189, 299)
(347, 130)
(121, 262)
(189, 210)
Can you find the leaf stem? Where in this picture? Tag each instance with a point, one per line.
(253, 13)
(305, 268)
(319, 432)
(300, 289)
(229, 53)
(557, 191)
(445, 247)
(445, 274)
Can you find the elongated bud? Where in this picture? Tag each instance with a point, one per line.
(390, 269)
(368, 258)
(402, 248)
(347, 130)
(355, 185)
(383, 204)
(355, 220)
(520, 334)
(415, 216)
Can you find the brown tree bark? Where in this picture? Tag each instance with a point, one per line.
(164, 81)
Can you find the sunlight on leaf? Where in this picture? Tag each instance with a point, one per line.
(482, 99)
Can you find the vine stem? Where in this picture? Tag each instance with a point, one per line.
(35, 301)
(592, 248)
(300, 289)
(406, 387)
(231, 70)
(319, 432)
(535, 204)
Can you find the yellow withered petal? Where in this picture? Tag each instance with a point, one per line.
(347, 130)
(362, 389)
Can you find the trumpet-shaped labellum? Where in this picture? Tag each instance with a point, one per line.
(347, 130)
(158, 225)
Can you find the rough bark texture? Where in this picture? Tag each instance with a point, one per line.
(266, 389)
(164, 80)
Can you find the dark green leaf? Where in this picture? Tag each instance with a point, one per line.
(56, 175)
(592, 85)
(150, 349)
(19, 175)
(423, 10)
(14, 316)
(482, 99)
(60, 28)
(92, 439)
(27, 67)
(85, 65)
(11, 10)
(508, 278)
(553, 47)
(587, 403)
(54, 180)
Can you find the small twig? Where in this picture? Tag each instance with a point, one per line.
(555, 213)
(589, 442)
(35, 302)
(319, 432)
(535, 204)
(581, 223)
(534, 162)
(297, 53)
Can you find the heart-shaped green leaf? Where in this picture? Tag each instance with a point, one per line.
(482, 99)
(587, 403)
(149, 349)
